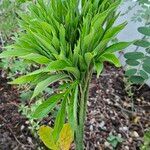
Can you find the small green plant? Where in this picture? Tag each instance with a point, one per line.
(114, 140)
(68, 39)
(26, 111)
(146, 145)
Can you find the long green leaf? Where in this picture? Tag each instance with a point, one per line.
(60, 119)
(43, 110)
(40, 59)
(43, 84)
(117, 47)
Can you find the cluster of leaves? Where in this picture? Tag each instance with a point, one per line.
(143, 12)
(138, 62)
(8, 28)
(26, 111)
(146, 145)
(68, 39)
(8, 16)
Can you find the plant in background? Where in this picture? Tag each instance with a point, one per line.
(138, 70)
(8, 16)
(146, 144)
(138, 62)
(69, 39)
(114, 140)
(27, 112)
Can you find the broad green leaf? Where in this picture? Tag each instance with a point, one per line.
(117, 47)
(142, 43)
(146, 67)
(45, 134)
(134, 55)
(40, 59)
(60, 119)
(43, 84)
(65, 137)
(136, 79)
(144, 75)
(47, 106)
(132, 62)
(110, 58)
(147, 60)
(148, 50)
(131, 72)
(144, 30)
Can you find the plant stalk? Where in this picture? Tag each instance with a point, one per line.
(81, 115)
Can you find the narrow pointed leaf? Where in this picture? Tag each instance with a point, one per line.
(43, 84)
(43, 110)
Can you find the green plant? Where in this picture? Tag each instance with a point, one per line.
(146, 145)
(138, 62)
(114, 140)
(69, 39)
(138, 70)
(8, 16)
(27, 112)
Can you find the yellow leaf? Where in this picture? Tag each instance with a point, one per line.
(136, 119)
(65, 137)
(45, 134)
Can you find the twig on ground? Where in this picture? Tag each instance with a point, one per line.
(5, 122)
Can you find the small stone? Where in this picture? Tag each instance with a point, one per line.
(123, 129)
(119, 135)
(27, 122)
(22, 127)
(88, 103)
(126, 148)
(130, 140)
(101, 125)
(92, 120)
(135, 134)
(107, 144)
(29, 139)
(91, 128)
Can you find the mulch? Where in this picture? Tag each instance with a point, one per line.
(110, 111)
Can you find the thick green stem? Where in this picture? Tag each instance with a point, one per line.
(81, 116)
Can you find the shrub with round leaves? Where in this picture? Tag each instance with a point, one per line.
(139, 62)
(69, 39)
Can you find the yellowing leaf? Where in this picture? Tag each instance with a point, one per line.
(136, 119)
(45, 134)
(65, 137)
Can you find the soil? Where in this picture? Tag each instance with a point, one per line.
(14, 132)
(110, 111)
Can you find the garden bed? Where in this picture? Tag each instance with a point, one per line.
(109, 112)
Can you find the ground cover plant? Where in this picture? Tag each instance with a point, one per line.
(69, 39)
